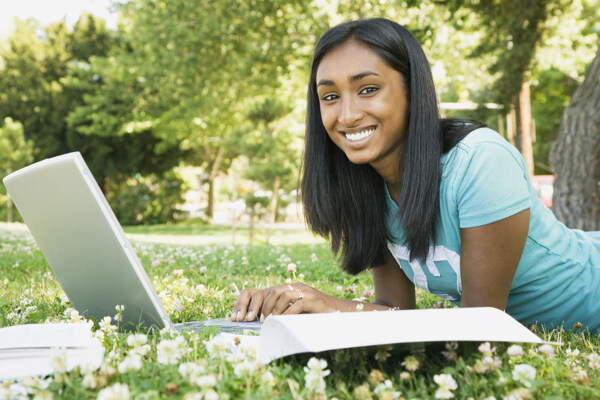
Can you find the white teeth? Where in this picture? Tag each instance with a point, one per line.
(360, 135)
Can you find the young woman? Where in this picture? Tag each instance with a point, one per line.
(441, 204)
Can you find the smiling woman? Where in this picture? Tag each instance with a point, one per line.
(442, 204)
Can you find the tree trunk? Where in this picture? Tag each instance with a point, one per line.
(274, 203)
(524, 138)
(575, 156)
(213, 168)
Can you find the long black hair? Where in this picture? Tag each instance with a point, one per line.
(346, 202)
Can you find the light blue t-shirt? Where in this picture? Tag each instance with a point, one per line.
(485, 179)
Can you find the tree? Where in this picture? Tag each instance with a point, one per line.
(575, 156)
(268, 150)
(201, 61)
(15, 153)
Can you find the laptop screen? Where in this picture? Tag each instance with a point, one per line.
(72, 223)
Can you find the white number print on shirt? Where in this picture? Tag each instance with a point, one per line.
(440, 275)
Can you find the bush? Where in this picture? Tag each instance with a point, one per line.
(144, 200)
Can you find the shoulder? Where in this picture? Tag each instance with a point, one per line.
(484, 147)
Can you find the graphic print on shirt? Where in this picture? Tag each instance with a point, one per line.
(439, 276)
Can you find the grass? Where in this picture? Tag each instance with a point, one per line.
(200, 278)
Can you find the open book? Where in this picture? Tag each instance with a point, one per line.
(285, 335)
(31, 350)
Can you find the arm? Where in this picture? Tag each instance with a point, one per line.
(392, 289)
(489, 257)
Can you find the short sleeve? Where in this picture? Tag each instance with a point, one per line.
(491, 184)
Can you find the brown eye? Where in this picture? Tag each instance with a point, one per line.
(369, 90)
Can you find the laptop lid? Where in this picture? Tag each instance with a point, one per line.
(78, 233)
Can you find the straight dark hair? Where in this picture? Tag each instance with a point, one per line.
(346, 202)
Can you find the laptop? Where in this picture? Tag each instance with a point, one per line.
(86, 247)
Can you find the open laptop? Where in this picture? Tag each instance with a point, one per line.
(80, 237)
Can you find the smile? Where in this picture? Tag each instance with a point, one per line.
(360, 135)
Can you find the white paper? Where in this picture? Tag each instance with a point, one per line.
(26, 350)
(284, 335)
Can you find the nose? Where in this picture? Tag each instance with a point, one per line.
(350, 112)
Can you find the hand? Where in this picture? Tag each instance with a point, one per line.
(286, 299)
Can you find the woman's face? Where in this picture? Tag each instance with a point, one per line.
(364, 106)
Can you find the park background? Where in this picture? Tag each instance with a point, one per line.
(190, 114)
(196, 109)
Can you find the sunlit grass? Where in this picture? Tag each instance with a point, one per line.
(201, 280)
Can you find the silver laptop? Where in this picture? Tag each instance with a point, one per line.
(80, 237)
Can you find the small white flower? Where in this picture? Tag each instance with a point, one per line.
(89, 381)
(203, 270)
(218, 346)
(594, 361)
(515, 350)
(58, 360)
(524, 373)
(411, 363)
(547, 350)
(446, 385)
(291, 267)
(206, 381)
(168, 352)
(118, 391)
(137, 340)
(133, 362)
(267, 377)
(359, 307)
(245, 368)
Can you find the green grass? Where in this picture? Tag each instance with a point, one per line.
(200, 280)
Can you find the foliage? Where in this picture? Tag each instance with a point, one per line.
(197, 282)
(15, 153)
(149, 199)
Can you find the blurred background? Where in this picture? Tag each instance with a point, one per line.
(194, 110)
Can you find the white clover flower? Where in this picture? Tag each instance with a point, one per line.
(291, 267)
(315, 372)
(118, 391)
(411, 363)
(203, 270)
(42, 395)
(211, 395)
(487, 349)
(571, 360)
(547, 350)
(515, 350)
(288, 281)
(446, 385)
(206, 381)
(524, 373)
(106, 326)
(386, 390)
(168, 352)
(267, 377)
(89, 381)
(137, 340)
(218, 346)
(594, 361)
(133, 362)
(58, 360)
(518, 394)
(245, 368)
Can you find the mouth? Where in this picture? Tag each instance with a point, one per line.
(359, 135)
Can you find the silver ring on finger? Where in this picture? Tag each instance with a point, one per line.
(291, 304)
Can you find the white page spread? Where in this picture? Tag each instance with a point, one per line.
(26, 350)
(284, 335)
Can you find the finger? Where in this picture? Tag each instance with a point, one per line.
(295, 308)
(272, 298)
(285, 301)
(241, 305)
(256, 302)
